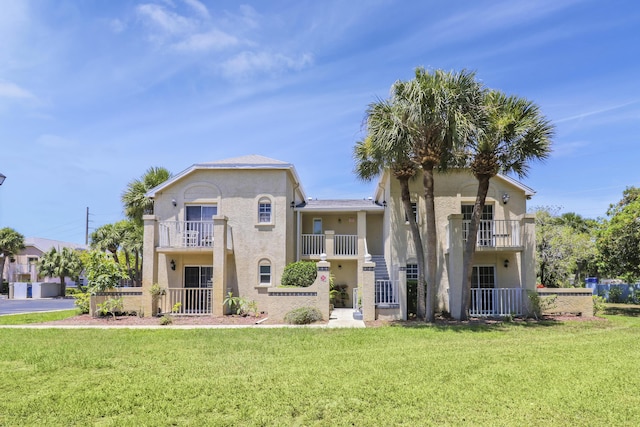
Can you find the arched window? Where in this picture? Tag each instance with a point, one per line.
(264, 211)
(264, 272)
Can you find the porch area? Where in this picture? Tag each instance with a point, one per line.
(497, 302)
(187, 301)
(496, 234)
(329, 243)
(185, 234)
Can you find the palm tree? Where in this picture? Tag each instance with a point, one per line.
(61, 264)
(388, 145)
(512, 133)
(135, 201)
(108, 238)
(131, 245)
(11, 242)
(443, 106)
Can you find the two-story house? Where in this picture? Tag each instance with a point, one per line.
(233, 225)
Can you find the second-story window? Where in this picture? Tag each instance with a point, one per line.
(264, 211)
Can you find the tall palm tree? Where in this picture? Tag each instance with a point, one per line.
(512, 133)
(11, 242)
(108, 238)
(132, 247)
(61, 264)
(135, 201)
(388, 145)
(443, 106)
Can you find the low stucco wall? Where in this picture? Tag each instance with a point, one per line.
(569, 300)
(132, 300)
(280, 301)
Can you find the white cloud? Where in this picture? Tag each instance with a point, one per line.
(12, 90)
(247, 63)
(169, 22)
(213, 39)
(117, 26)
(198, 7)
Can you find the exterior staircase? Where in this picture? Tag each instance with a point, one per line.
(381, 270)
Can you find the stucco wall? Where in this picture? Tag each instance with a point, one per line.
(569, 300)
(132, 300)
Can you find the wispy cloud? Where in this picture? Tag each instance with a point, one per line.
(12, 90)
(200, 8)
(167, 22)
(211, 40)
(247, 63)
(595, 112)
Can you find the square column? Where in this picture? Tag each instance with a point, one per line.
(219, 264)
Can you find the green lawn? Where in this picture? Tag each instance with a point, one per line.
(582, 373)
(26, 318)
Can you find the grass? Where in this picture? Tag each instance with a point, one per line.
(26, 318)
(578, 374)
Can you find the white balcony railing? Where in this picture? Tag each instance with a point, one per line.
(186, 234)
(489, 302)
(193, 301)
(386, 293)
(341, 244)
(495, 233)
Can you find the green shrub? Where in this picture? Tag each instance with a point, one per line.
(166, 320)
(615, 295)
(111, 306)
(303, 316)
(299, 274)
(599, 305)
(82, 301)
(540, 304)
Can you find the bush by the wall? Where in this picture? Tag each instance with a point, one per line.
(82, 301)
(300, 273)
(303, 316)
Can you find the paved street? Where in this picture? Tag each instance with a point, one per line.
(14, 306)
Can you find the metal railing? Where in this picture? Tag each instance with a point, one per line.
(495, 233)
(489, 302)
(181, 234)
(193, 301)
(343, 244)
(386, 293)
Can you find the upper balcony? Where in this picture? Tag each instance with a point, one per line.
(333, 245)
(186, 234)
(495, 234)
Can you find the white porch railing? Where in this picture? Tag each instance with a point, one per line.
(193, 301)
(316, 244)
(386, 293)
(345, 244)
(489, 302)
(181, 234)
(495, 233)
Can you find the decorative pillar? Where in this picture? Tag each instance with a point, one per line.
(402, 291)
(149, 262)
(368, 290)
(527, 257)
(219, 264)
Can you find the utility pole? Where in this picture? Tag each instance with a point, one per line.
(86, 229)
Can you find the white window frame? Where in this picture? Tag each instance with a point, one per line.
(265, 263)
(265, 210)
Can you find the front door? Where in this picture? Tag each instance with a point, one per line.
(198, 281)
(483, 281)
(199, 224)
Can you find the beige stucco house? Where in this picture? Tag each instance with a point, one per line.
(233, 225)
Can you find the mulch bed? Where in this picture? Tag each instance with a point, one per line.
(442, 321)
(85, 319)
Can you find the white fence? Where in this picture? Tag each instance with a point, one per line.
(495, 233)
(193, 301)
(489, 302)
(316, 244)
(180, 234)
(386, 293)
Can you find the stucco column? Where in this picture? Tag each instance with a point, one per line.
(368, 290)
(149, 262)
(219, 264)
(527, 260)
(454, 264)
(329, 241)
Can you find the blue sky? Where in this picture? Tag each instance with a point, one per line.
(93, 93)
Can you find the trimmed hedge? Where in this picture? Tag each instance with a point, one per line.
(299, 274)
(303, 316)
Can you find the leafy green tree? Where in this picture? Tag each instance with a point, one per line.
(619, 238)
(511, 134)
(108, 238)
(388, 145)
(60, 263)
(135, 200)
(11, 242)
(442, 109)
(102, 272)
(565, 248)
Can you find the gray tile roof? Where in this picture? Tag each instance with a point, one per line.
(340, 205)
(252, 160)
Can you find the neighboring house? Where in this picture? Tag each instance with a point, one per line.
(233, 225)
(23, 266)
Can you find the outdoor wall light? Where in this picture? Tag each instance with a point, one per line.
(2, 178)
(505, 198)
(174, 203)
(292, 205)
(173, 265)
(339, 266)
(506, 263)
(384, 204)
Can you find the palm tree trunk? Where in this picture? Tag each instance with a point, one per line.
(63, 286)
(470, 246)
(417, 242)
(2, 260)
(432, 240)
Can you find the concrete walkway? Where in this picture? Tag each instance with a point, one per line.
(343, 318)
